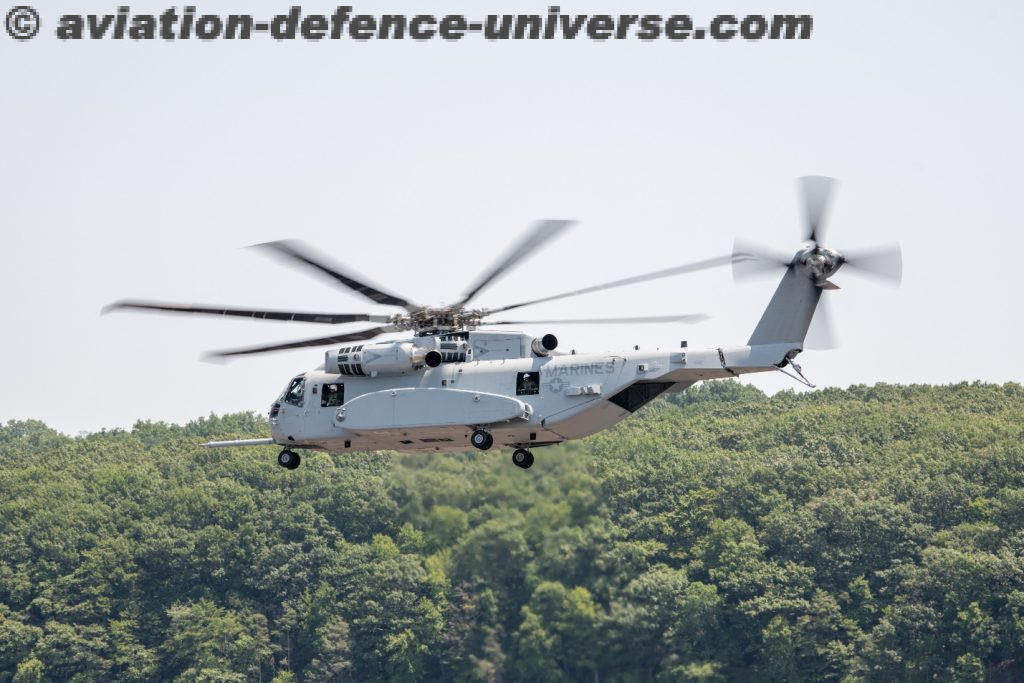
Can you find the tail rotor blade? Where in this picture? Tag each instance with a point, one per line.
(822, 333)
(883, 263)
(752, 260)
(817, 193)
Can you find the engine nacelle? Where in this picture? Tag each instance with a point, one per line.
(542, 346)
(454, 350)
(381, 358)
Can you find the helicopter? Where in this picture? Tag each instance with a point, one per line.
(451, 385)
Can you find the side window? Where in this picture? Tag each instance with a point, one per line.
(295, 391)
(332, 395)
(527, 383)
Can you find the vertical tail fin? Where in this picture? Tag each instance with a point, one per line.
(790, 311)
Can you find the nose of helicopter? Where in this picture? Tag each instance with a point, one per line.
(273, 420)
(292, 398)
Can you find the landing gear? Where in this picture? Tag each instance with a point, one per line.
(522, 458)
(481, 439)
(288, 459)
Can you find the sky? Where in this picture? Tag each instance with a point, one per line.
(144, 169)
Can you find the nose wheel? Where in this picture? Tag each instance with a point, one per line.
(481, 439)
(522, 458)
(288, 459)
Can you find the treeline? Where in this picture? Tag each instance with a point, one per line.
(871, 534)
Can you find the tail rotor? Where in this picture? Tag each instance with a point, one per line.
(815, 262)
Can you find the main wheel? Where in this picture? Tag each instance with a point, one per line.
(522, 458)
(481, 439)
(288, 459)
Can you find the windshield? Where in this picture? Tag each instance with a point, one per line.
(293, 394)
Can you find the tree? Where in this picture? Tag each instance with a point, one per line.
(206, 640)
(331, 662)
(871, 533)
(29, 671)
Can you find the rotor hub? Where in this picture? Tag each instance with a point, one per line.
(819, 263)
(429, 320)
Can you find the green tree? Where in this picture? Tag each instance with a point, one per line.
(206, 640)
(29, 671)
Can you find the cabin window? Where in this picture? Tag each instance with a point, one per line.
(332, 396)
(294, 393)
(527, 383)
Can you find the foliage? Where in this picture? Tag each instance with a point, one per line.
(867, 534)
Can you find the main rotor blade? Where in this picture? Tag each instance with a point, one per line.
(290, 316)
(816, 192)
(533, 240)
(305, 255)
(691, 318)
(677, 270)
(883, 263)
(821, 334)
(750, 260)
(320, 341)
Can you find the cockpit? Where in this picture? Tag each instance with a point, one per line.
(295, 392)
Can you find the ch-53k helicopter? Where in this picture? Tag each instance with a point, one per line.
(452, 384)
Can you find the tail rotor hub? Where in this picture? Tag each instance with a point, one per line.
(820, 263)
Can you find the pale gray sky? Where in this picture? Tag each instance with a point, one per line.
(140, 169)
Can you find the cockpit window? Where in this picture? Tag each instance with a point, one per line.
(294, 392)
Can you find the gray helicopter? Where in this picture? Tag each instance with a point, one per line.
(451, 385)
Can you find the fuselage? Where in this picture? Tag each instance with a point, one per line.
(499, 384)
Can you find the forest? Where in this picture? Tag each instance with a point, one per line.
(874, 533)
